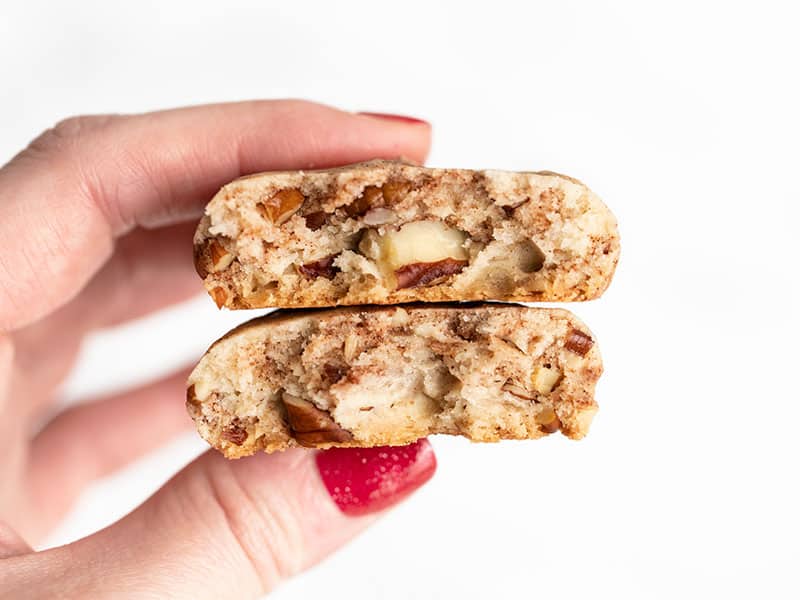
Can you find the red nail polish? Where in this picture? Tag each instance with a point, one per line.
(366, 480)
(390, 117)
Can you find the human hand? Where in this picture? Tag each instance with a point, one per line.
(97, 216)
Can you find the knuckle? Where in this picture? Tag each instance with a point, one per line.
(68, 132)
(267, 533)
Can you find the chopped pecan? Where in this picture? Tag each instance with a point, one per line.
(235, 434)
(578, 342)
(370, 197)
(219, 295)
(395, 191)
(333, 372)
(315, 220)
(545, 378)
(280, 206)
(320, 268)
(374, 196)
(211, 257)
(220, 257)
(419, 274)
(311, 439)
(310, 425)
(518, 391)
(548, 420)
(191, 396)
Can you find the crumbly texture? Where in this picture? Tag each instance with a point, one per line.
(302, 239)
(372, 376)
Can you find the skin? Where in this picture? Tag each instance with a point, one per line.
(102, 209)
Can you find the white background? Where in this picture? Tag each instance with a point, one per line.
(683, 117)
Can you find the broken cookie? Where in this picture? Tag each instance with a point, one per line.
(374, 376)
(388, 232)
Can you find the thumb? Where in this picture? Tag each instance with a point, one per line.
(225, 529)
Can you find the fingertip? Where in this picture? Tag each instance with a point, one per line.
(362, 481)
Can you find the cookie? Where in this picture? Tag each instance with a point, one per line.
(374, 376)
(389, 232)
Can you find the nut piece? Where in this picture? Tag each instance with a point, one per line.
(211, 257)
(417, 253)
(281, 206)
(517, 390)
(395, 191)
(373, 196)
(545, 378)
(420, 274)
(351, 347)
(333, 373)
(370, 244)
(191, 397)
(379, 216)
(578, 342)
(422, 242)
(311, 425)
(320, 268)
(220, 296)
(315, 220)
(547, 420)
(220, 258)
(235, 434)
(312, 439)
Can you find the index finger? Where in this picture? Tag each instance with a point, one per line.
(78, 186)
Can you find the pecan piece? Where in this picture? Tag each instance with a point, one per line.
(211, 257)
(518, 391)
(419, 274)
(371, 196)
(219, 295)
(235, 434)
(220, 257)
(311, 439)
(320, 268)
(311, 425)
(548, 420)
(578, 342)
(280, 206)
(315, 220)
(545, 378)
(333, 373)
(191, 397)
(395, 191)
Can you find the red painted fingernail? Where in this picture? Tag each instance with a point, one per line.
(390, 117)
(366, 480)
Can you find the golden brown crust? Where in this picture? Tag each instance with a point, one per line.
(366, 376)
(249, 261)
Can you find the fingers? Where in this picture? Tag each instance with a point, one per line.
(6, 365)
(150, 269)
(223, 528)
(94, 439)
(11, 544)
(90, 179)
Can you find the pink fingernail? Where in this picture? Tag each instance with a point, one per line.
(391, 117)
(366, 480)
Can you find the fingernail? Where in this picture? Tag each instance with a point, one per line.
(390, 117)
(366, 480)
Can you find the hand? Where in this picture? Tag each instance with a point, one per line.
(97, 217)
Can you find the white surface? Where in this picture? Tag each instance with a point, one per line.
(684, 118)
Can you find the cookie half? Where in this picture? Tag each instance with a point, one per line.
(389, 232)
(373, 376)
